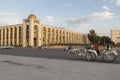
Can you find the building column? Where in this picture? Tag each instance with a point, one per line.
(50, 35)
(81, 38)
(71, 37)
(1, 37)
(40, 39)
(24, 35)
(9, 36)
(61, 37)
(13, 37)
(78, 39)
(17, 36)
(55, 36)
(46, 36)
(58, 36)
(68, 37)
(5, 37)
(31, 33)
(65, 37)
(75, 39)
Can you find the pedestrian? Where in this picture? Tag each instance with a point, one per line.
(109, 47)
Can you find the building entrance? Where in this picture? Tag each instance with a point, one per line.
(35, 41)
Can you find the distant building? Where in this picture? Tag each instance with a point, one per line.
(115, 36)
(33, 33)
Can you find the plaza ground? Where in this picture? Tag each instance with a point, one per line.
(52, 64)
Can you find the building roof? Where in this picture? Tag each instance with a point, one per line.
(32, 16)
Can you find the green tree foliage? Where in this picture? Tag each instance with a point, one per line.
(92, 32)
(93, 38)
(106, 40)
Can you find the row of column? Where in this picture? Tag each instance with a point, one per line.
(10, 36)
(60, 36)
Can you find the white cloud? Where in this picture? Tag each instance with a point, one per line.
(86, 20)
(8, 19)
(117, 2)
(52, 19)
(7, 14)
(102, 15)
(106, 8)
(49, 18)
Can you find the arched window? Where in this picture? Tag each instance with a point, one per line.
(11, 32)
(7, 36)
(20, 36)
(15, 36)
(35, 31)
(3, 37)
(35, 35)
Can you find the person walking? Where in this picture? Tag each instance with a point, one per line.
(109, 47)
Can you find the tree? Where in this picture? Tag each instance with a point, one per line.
(92, 32)
(106, 40)
(93, 37)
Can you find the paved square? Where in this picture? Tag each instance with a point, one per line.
(28, 68)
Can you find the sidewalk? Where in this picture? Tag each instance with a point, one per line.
(28, 68)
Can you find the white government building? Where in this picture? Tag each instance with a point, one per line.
(32, 33)
(115, 36)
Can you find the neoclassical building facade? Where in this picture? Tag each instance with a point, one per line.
(115, 36)
(32, 33)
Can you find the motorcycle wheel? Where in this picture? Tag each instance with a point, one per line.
(109, 57)
(88, 57)
(93, 56)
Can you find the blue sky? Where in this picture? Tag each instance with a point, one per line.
(76, 15)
